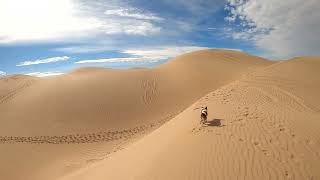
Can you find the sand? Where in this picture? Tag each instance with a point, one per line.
(97, 123)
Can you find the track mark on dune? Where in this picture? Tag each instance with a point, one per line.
(149, 88)
(95, 137)
(10, 95)
(262, 116)
(276, 89)
(75, 138)
(260, 119)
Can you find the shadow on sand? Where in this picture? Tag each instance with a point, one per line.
(214, 122)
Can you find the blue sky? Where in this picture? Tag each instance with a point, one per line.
(49, 37)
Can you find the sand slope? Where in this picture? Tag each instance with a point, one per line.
(263, 121)
(12, 85)
(90, 99)
(263, 126)
(56, 126)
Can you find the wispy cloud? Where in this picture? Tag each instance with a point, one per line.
(130, 27)
(108, 60)
(44, 74)
(2, 73)
(131, 13)
(43, 61)
(151, 54)
(83, 49)
(147, 55)
(162, 52)
(167, 52)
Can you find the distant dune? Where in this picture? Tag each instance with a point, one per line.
(95, 123)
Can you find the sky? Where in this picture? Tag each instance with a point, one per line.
(51, 37)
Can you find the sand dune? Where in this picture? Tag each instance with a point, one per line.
(67, 104)
(10, 86)
(262, 126)
(263, 121)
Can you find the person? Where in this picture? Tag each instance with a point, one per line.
(204, 114)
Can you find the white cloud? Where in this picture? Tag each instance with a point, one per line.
(147, 55)
(131, 13)
(162, 52)
(282, 28)
(109, 60)
(167, 52)
(39, 20)
(44, 61)
(130, 21)
(82, 49)
(2, 73)
(230, 18)
(64, 20)
(44, 74)
(133, 27)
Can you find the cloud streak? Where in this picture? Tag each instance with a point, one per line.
(147, 55)
(44, 61)
(131, 13)
(2, 73)
(44, 74)
(162, 52)
(108, 60)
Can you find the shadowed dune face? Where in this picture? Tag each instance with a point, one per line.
(92, 99)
